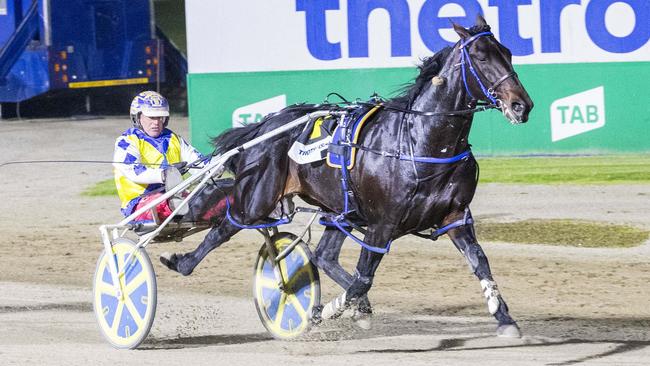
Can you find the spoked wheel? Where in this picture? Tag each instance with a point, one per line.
(285, 308)
(125, 318)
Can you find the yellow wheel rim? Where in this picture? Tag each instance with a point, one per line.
(285, 312)
(125, 318)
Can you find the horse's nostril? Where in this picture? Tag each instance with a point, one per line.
(518, 108)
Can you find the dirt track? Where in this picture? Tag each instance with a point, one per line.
(574, 305)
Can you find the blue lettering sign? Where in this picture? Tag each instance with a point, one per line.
(429, 23)
(550, 13)
(400, 26)
(602, 38)
(509, 26)
(317, 42)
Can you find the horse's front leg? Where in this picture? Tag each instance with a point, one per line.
(251, 202)
(464, 239)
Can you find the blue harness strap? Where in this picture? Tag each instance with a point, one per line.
(345, 228)
(467, 219)
(361, 242)
(341, 223)
(422, 159)
(282, 221)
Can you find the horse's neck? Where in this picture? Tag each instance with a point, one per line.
(442, 134)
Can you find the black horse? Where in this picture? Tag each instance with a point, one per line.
(394, 190)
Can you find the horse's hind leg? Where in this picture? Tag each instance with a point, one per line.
(362, 281)
(465, 241)
(260, 179)
(327, 256)
(259, 209)
(327, 259)
(185, 263)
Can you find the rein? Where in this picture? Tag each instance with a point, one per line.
(460, 112)
(190, 165)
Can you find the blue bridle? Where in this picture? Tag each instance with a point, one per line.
(466, 62)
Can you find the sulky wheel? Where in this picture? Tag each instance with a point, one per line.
(125, 319)
(285, 310)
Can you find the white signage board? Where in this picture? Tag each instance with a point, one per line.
(263, 35)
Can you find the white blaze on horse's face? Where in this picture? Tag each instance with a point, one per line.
(152, 126)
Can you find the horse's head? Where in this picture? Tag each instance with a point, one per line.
(488, 74)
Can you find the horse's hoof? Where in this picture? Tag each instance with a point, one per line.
(508, 331)
(175, 263)
(362, 320)
(316, 315)
(336, 307)
(169, 260)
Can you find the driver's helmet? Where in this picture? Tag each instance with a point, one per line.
(151, 104)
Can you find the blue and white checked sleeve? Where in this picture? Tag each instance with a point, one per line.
(126, 159)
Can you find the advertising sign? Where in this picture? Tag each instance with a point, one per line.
(585, 63)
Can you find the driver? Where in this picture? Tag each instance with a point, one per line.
(147, 154)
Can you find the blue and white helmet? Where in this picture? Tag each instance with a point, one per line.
(151, 104)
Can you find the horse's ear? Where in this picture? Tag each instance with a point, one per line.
(480, 21)
(462, 32)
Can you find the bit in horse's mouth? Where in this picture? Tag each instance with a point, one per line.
(510, 116)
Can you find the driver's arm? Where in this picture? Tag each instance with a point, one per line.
(127, 160)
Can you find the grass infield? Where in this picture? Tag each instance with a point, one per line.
(615, 169)
(103, 188)
(574, 233)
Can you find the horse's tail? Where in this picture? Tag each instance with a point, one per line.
(233, 138)
(237, 136)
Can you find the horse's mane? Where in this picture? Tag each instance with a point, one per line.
(429, 68)
(479, 29)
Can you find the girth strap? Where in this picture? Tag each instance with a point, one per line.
(422, 159)
(282, 221)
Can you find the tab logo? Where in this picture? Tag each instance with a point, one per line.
(255, 112)
(577, 114)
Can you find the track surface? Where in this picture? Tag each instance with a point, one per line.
(574, 305)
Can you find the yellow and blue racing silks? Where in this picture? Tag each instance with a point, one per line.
(139, 161)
